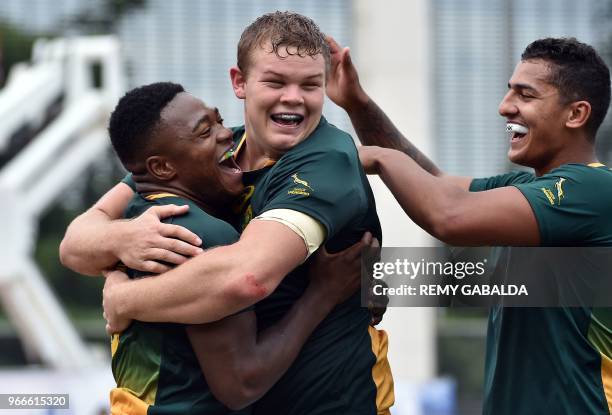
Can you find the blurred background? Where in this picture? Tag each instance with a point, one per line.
(438, 67)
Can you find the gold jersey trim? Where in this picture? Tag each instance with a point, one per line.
(606, 379)
(267, 163)
(123, 402)
(381, 371)
(160, 196)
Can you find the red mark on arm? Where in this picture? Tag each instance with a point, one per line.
(253, 288)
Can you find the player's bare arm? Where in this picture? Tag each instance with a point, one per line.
(220, 282)
(456, 216)
(98, 239)
(240, 364)
(370, 122)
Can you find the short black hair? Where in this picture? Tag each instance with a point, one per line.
(135, 118)
(578, 72)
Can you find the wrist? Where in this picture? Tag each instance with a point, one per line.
(358, 103)
(114, 235)
(318, 298)
(381, 159)
(117, 296)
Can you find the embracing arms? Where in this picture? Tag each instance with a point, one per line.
(241, 364)
(97, 240)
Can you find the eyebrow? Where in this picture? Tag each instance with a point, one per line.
(205, 118)
(271, 72)
(522, 87)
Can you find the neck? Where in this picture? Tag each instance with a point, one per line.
(145, 185)
(253, 156)
(581, 153)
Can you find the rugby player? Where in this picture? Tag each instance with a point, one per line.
(305, 188)
(539, 360)
(171, 142)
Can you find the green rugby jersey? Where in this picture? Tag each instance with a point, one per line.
(154, 365)
(342, 368)
(554, 360)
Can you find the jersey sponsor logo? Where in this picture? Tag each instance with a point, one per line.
(298, 191)
(304, 183)
(559, 187)
(549, 195)
(303, 189)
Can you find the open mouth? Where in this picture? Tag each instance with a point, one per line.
(227, 162)
(516, 132)
(287, 119)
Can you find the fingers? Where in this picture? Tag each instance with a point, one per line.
(345, 58)
(367, 239)
(354, 252)
(334, 47)
(168, 256)
(154, 267)
(166, 211)
(183, 241)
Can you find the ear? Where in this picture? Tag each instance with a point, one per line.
(238, 82)
(579, 114)
(160, 168)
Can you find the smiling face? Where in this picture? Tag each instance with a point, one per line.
(193, 140)
(283, 98)
(533, 109)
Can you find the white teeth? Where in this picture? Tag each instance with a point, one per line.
(288, 117)
(516, 128)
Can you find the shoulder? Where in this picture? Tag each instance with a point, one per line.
(213, 231)
(501, 180)
(571, 204)
(327, 146)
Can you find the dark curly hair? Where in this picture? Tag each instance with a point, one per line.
(283, 30)
(578, 72)
(136, 117)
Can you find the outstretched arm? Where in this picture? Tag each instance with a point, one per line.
(96, 240)
(240, 364)
(371, 124)
(456, 216)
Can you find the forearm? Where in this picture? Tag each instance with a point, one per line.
(88, 245)
(279, 345)
(216, 283)
(204, 289)
(373, 127)
(431, 202)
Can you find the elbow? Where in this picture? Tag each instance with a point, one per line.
(71, 260)
(237, 399)
(250, 287)
(66, 256)
(242, 391)
(447, 226)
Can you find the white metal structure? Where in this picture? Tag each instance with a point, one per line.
(41, 171)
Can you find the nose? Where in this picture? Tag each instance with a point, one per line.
(292, 95)
(224, 134)
(507, 106)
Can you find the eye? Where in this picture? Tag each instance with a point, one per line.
(273, 84)
(205, 133)
(311, 87)
(220, 121)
